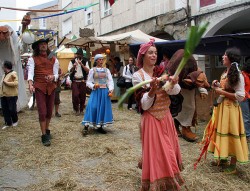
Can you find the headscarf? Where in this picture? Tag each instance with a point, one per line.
(97, 56)
(142, 51)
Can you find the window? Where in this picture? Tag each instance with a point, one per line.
(204, 3)
(65, 3)
(88, 16)
(67, 27)
(106, 8)
(42, 23)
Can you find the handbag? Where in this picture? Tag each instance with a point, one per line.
(121, 82)
(176, 104)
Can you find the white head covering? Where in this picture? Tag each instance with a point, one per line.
(97, 56)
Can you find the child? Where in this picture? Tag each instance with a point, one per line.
(9, 95)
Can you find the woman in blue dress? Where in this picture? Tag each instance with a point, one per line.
(99, 109)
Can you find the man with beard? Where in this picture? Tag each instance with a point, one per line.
(9, 50)
(42, 77)
(79, 70)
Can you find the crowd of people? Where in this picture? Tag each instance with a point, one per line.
(161, 160)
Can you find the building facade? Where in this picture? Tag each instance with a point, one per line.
(164, 19)
(50, 23)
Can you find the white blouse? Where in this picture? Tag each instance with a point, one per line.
(91, 82)
(240, 89)
(127, 74)
(147, 101)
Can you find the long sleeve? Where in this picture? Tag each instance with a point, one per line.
(12, 80)
(175, 90)
(110, 81)
(240, 89)
(31, 67)
(146, 101)
(125, 73)
(55, 70)
(90, 81)
(70, 66)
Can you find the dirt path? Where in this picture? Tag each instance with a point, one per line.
(95, 162)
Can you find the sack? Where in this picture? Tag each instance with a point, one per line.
(121, 82)
(176, 104)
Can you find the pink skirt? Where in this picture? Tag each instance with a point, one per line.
(161, 157)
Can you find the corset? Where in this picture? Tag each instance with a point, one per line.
(100, 77)
(161, 105)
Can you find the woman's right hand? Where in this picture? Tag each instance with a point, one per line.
(96, 86)
(154, 86)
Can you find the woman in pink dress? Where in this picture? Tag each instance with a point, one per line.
(161, 158)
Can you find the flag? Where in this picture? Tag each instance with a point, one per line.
(111, 2)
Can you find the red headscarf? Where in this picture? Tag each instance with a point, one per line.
(142, 51)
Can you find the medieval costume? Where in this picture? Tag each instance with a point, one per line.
(161, 157)
(225, 134)
(187, 117)
(9, 50)
(42, 77)
(229, 137)
(99, 109)
(78, 69)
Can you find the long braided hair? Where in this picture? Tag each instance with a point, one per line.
(234, 57)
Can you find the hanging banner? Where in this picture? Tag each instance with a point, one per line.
(67, 11)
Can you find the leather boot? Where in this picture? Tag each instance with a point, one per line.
(188, 135)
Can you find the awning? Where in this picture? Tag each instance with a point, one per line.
(132, 37)
(215, 45)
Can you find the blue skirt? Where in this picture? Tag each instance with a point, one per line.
(99, 109)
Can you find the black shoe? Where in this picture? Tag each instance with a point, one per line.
(45, 140)
(85, 131)
(78, 113)
(48, 134)
(58, 115)
(101, 130)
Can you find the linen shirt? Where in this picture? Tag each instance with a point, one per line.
(78, 69)
(31, 68)
(91, 82)
(147, 101)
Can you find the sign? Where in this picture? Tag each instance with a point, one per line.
(86, 32)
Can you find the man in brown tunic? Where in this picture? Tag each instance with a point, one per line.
(42, 77)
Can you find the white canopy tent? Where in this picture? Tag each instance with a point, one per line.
(132, 37)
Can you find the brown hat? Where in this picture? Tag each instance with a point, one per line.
(35, 44)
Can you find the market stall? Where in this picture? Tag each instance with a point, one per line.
(111, 46)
